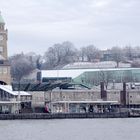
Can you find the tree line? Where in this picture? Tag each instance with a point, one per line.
(61, 54)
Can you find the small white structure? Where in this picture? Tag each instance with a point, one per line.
(10, 101)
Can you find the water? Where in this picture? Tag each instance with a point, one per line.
(71, 129)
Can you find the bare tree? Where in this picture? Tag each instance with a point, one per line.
(34, 59)
(136, 53)
(136, 64)
(117, 55)
(128, 52)
(20, 66)
(59, 55)
(90, 53)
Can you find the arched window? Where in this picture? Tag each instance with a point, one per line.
(3, 83)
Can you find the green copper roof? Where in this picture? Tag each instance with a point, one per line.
(1, 19)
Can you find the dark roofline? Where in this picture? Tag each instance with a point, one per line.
(45, 86)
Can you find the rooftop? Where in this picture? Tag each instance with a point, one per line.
(73, 73)
(8, 88)
(96, 65)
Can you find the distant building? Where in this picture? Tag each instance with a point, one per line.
(106, 55)
(91, 77)
(96, 65)
(5, 77)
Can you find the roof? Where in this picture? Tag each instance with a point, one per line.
(38, 86)
(10, 102)
(1, 19)
(22, 93)
(89, 101)
(96, 65)
(62, 73)
(73, 73)
(8, 89)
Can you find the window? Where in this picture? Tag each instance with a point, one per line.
(0, 70)
(1, 49)
(5, 70)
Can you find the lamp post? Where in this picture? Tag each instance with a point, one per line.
(19, 97)
(51, 106)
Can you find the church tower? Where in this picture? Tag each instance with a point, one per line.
(5, 77)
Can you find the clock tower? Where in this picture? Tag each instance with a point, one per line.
(5, 77)
(3, 39)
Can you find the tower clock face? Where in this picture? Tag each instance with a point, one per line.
(1, 37)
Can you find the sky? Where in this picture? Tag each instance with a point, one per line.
(36, 25)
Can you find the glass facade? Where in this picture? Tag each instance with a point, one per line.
(91, 78)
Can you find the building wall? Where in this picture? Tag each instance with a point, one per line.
(113, 95)
(75, 95)
(133, 97)
(5, 75)
(39, 99)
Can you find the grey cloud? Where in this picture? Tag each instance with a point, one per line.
(102, 22)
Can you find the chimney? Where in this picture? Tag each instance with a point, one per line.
(39, 77)
(123, 95)
(103, 92)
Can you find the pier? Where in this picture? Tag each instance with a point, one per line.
(63, 116)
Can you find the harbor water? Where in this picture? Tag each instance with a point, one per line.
(71, 129)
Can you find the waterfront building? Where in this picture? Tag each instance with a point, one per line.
(9, 99)
(59, 96)
(93, 77)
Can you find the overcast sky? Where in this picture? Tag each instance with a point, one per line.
(35, 25)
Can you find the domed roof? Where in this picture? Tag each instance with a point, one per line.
(1, 19)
